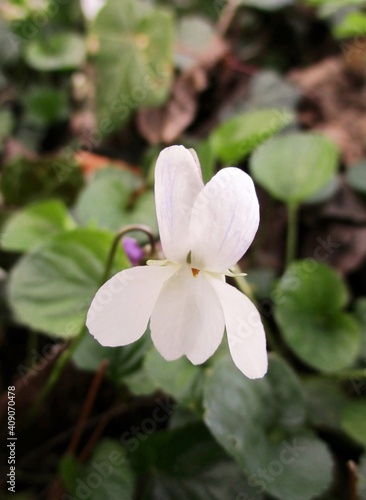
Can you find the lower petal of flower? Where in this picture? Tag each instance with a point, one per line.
(187, 318)
(121, 308)
(246, 336)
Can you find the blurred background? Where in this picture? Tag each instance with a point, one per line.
(90, 93)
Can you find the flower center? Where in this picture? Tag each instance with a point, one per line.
(195, 272)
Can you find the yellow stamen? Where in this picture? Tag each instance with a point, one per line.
(195, 272)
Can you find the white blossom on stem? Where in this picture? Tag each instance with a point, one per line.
(204, 231)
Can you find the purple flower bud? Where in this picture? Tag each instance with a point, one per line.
(133, 250)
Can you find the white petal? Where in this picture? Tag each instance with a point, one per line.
(121, 308)
(91, 8)
(187, 318)
(225, 218)
(246, 336)
(177, 183)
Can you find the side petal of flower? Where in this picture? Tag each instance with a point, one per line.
(246, 336)
(187, 319)
(177, 183)
(121, 308)
(225, 218)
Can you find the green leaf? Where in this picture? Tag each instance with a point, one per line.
(104, 201)
(195, 34)
(324, 400)
(56, 52)
(107, 475)
(266, 4)
(143, 76)
(237, 137)
(143, 212)
(352, 25)
(34, 224)
(70, 469)
(354, 420)
(360, 314)
(6, 126)
(51, 288)
(45, 105)
(269, 89)
(207, 159)
(325, 193)
(187, 464)
(123, 361)
(223, 479)
(356, 177)
(109, 202)
(179, 378)
(261, 424)
(309, 302)
(329, 8)
(140, 383)
(294, 167)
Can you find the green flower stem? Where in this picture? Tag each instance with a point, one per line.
(292, 232)
(242, 283)
(115, 244)
(66, 355)
(60, 364)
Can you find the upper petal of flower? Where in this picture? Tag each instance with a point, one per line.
(121, 308)
(177, 183)
(247, 340)
(187, 318)
(225, 218)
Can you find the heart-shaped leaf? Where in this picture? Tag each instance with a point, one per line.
(106, 475)
(134, 60)
(178, 378)
(51, 288)
(58, 52)
(104, 201)
(294, 167)
(261, 424)
(123, 361)
(187, 464)
(309, 302)
(107, 202)
(34, 224)
(237, 137)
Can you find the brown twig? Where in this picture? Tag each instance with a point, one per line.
(88, 448)
(226, 17)
(88, 405)
(57, 488)
(111, 413)
(352, 479)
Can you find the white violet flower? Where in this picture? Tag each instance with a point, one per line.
(204, 230)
